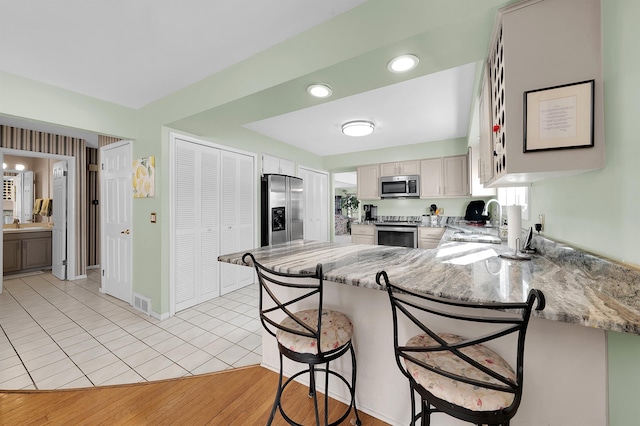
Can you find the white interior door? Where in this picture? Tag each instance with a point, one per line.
(116, 195)
(59, 231)
(17, 196)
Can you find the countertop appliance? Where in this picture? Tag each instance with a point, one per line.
(399, 234)
(282, 214)
(370, 212)
(400, 186)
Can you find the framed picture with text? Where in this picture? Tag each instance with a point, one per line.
(559, 117)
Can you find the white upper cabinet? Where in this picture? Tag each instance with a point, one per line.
(456, 176)
(280, 166)
(400, 168)
(444, 177)
(368, 182)
(476, 176)
(431, 178)
(537, 45)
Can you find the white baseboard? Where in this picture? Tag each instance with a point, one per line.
(160, 316)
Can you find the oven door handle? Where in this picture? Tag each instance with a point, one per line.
(397, 228)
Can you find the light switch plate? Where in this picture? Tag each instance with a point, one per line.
(153, 218)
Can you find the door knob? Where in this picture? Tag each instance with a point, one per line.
(126, 231)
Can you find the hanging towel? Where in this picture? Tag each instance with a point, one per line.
(47, 207)
(38, 206)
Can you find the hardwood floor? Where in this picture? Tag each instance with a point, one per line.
(236, 397)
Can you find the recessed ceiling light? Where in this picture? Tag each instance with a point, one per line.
(358, 128)
(319, 90)
(403, 63)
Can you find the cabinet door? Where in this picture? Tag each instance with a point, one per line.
(389, 169)
(410, 167)
(485, 165)
(270, 164)
(277, 165)
(368, 181)
(431, 178)
(287, 167)
(12, 258)
(456, 176)
(36, 252)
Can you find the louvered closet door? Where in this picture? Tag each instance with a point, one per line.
(237, 230)
(196, 212)
(209, 224)
(316, 195)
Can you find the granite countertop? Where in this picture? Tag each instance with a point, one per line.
(28, 229)
(580, 288)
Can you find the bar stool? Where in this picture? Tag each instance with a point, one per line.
(457, 375)
(312, 336)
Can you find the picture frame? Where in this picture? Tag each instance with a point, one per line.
(144, 177)
(559, 117)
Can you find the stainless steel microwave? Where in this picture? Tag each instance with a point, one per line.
(400, 186)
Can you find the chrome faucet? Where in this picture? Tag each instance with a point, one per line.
(486, 211)
(16, 222)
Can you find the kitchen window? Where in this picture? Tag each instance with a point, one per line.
(515, 195)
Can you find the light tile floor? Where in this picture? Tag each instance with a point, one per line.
(66, 334)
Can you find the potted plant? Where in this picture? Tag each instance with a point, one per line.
(350, 203)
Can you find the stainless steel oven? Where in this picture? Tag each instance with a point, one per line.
(400, 235)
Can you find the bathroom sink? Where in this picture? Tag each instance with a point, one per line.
(475, 237)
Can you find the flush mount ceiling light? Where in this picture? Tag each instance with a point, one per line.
(403, 63)
(319, 90)
(20, 167)
(358, 128)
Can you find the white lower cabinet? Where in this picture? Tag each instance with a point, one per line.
(212, 206)
(429, 237)
(363, 234)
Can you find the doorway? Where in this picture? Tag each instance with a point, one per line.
(11, 157)
(345, 185)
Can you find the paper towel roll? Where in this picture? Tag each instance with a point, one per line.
(514, 222)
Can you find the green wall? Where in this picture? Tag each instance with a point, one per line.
(617, 190)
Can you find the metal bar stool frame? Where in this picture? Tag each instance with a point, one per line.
(410, 303)
(313, 285)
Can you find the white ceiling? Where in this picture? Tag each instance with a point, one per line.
(119, 51)
(429, 108)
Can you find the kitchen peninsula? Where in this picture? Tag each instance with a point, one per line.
(566, 348)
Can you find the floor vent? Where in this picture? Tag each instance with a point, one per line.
(142, 303)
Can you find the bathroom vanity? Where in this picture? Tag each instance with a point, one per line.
(26, 249)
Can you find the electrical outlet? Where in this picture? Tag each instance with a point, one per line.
(541, 222)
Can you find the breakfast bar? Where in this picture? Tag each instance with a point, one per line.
(565, 358)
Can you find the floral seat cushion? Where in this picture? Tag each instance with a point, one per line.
(462, 394)
(336, 331)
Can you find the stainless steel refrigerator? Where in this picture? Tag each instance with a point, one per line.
(282, 209)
